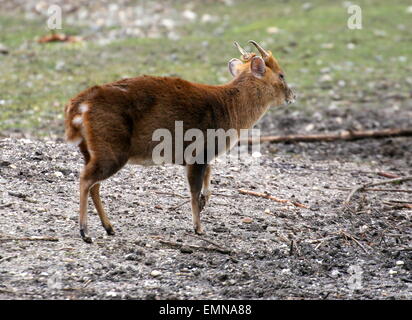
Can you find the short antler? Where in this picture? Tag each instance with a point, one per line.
(265, 54)
(246, 56)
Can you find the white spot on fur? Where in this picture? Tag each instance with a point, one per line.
(83, 108)
(76, 141)
(77, 120)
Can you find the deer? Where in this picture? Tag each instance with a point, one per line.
(113, 124)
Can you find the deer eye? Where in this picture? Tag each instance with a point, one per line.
(281, 76)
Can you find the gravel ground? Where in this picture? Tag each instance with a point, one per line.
(277, 250)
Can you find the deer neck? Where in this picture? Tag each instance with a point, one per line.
(250, 103)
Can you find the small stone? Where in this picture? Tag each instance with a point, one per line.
(272, 30)
(351, 46)
(223, 277)
(58, 174)
(131, 257)
(156, 273)
(325, 78)
(3, 49)
(247, 220)
(189, 15)
(400, 263)
(185, 249)
(111, 294)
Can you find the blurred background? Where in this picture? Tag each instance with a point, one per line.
(345, 79)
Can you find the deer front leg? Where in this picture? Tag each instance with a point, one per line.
(206, 193)
(195, 177)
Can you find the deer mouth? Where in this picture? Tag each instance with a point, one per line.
(290, 96)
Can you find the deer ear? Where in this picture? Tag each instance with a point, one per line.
(234, 66)
(258, 67)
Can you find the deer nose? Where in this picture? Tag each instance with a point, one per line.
(291, 97)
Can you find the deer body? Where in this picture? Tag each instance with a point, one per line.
(113, 124)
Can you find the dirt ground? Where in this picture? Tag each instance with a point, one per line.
(267, 250)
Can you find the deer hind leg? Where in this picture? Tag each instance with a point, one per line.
(195, 177)
(95, 194)
(97, 169)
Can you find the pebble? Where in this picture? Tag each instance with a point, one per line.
(111, 294)
(185, 249)
(3, 49)
(58, 174)
(247, 220)
(156, 273)
(400, 263)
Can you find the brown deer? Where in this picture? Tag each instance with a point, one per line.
(113, 124)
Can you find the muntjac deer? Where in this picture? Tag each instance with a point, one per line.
(113, 124)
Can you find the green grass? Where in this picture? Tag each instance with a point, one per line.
(35, 91)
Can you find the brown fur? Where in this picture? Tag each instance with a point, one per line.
(121, 117)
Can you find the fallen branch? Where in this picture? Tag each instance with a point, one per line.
(373, 184)
(398, 205)
(180, 245)
(268, 196)
(346, 135)
(28, 239)
(377, 189)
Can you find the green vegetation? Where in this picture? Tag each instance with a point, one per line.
(323, 59)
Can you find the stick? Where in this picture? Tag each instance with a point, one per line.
(207, 240)
(398, 205)
(328, 137)
(180, 245)
(29, 239)
(379, 190)
(373, 184)
(179, 205)
(322, 239)
(347, 235)
(388, 175)
(268, 196)
(172, 194)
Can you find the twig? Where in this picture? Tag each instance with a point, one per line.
(347, 235)
(207, 240)
(398, 205)
(268, 196)
(321, 239)
(378, 190)
(291, 248)
(180, 245)
(8, 258)
(328, 137)
(387, 175)
(28, 238)
(402, 249)
(179, 205)
(400, 201)
(171, 194)
(373, 184)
